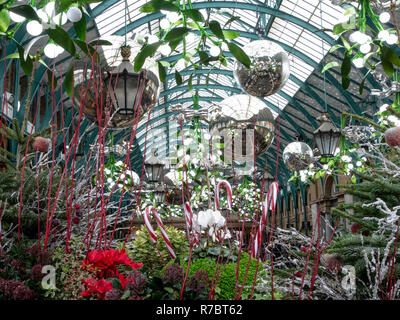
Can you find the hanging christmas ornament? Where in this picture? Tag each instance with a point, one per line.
(41, 144)
(246, 126)
(74, 14)
(269, 70)
(297, 156)
(392, 136)
(34, 28)
(121, 95)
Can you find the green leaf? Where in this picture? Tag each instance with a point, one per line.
(335, 47)
(80, 28)
(27, 65)
(387, 67)
(345, 82)
(126, 295)
(338, 29)
(230, 35)
(204, 58)
(239, 54)
(362, 84)
(169, 290)
(157, 5)
(25, 11)
(146, 51)
(4, 20)
(14, 55)
(346, 65)
(390, 55)
(178, 78)
(216, 29)
(68, 80)
(176, 33)
(330, 65)
(63, 5)
(174, 43)
(62, 38)
(161, 72)
(194, 14)
(232, 19)
(346, 44)
(100, 42)
(190, 85)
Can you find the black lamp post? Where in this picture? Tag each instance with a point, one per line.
(327, 136)
(154, 167)
(159, 193)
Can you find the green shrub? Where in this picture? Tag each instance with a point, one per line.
(225, 289)
(142, 249)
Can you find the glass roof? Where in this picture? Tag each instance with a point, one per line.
(301, 37)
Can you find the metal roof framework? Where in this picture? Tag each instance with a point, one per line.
(296, 25)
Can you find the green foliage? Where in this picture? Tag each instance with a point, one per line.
(142, 249)
(225, 288)
(69, 272)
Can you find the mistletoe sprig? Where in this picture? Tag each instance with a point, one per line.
(184, 20)
(49, 16)
(362, 50)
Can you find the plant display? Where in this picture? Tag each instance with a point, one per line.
(142, 248)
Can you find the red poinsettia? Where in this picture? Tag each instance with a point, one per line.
(105, 263)
(96, 287)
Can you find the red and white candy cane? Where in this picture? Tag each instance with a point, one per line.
(153, 237)
(189, 221)
(269, 204)
(228, 190)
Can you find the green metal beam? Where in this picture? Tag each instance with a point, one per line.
(238, 5)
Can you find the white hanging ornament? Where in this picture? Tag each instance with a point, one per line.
(392, 39)
(164, 49)
(34, 28)
(60, 19)
(215, 51)
(164, 24)
(74, 14)
(358, 63)
(384, 17)
(16, 17)
(365, 48)
(42, 15)
(51, 50)
(50, 8)
(60, 50)
(383, 35)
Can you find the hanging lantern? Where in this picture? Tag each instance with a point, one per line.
(159, 194)
(154, 167)
(246, 126)
(120, 96)
(327, 137)
(269, 69)
(297, 156)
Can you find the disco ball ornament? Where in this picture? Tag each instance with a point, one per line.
(269, 70)
(297, 156)
(244, 125)
(119, 95)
